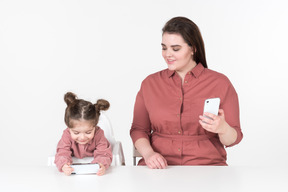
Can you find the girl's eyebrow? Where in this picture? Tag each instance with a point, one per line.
(75, 131)
(90, 129)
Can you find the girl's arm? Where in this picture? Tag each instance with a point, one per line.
(63, 155)
(103, 150)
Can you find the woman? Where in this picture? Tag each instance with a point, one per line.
(168, 127)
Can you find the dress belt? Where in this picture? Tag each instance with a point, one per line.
(183, 137)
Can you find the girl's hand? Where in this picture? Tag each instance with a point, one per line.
(155, 161)
(214, 124)
(102, 170)
(67, 169)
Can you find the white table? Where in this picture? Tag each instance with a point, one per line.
(138, 179)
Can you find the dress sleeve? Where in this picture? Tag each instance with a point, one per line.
(141, 125)
(103, 151)
(231, 111)
(63, 155)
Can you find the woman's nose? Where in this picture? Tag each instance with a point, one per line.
(168, 53)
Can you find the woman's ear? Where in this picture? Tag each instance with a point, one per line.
(193, 49)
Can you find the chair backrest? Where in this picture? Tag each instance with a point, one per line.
(105, 125)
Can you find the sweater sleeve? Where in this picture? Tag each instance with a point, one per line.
(141, 126)
(103, 151)
(63, 155)
(232, 114)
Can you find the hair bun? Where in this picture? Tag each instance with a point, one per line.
(70, 98)
(102, 104)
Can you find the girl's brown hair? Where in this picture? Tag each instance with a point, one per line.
(190, 33)
(79, 109)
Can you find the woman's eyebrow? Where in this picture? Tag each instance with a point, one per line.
(171, 45)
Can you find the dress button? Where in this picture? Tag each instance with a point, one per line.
(179, 149)
(178, 115)
(179, 132)
(186, 81)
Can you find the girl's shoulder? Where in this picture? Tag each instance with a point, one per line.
(66, 133)
(99, 131)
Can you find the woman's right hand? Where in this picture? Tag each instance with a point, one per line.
(155, 161)
(67, 169)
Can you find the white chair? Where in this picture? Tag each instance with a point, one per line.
(136, 155)
(117, 150)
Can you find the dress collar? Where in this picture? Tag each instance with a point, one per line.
(196, 71)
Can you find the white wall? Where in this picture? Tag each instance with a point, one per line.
(104, 49)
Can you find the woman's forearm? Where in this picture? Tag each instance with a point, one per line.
(144, 147)
(229, 136)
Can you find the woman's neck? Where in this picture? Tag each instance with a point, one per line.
(182, 73)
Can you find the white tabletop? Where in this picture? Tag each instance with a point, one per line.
(137, 179)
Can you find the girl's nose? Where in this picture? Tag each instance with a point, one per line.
(82, 136)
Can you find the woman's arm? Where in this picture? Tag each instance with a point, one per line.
(152, 159)
(217, 124)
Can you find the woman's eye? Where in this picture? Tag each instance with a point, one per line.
(88, 132)
(76, 133)
(163, 48)
(176, 49)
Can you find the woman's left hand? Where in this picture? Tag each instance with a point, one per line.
(214, 123)
(218, 124)
(102, 170)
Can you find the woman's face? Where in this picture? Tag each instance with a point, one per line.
(82, 131)
(177, 53)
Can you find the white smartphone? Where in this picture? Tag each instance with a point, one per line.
(212, 105)
(85, 168)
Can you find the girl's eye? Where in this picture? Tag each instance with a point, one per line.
(76, 133)
(88, 132)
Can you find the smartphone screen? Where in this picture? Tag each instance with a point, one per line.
(86, 168)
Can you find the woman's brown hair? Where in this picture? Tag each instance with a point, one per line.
(190, 33)
(78, 109)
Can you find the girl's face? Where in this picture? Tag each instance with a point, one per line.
(82, 131)
(177, 53)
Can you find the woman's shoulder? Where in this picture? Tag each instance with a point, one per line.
(156, 76)
(209, 73)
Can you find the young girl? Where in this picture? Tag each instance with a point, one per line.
(83, 138)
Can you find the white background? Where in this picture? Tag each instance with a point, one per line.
(104, 49)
